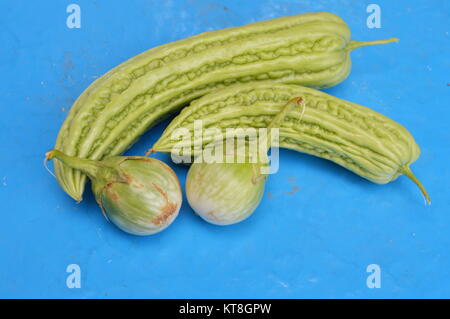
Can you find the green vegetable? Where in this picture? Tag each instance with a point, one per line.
(353, 136)
(227, 193)
(311, 49)
(140, 195)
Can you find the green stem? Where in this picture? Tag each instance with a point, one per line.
(407, 171)
(86, 166)
(276, 122)
(357, 44)
(279, 118)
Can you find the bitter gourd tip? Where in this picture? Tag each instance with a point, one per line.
(407, 171)
(357, 44)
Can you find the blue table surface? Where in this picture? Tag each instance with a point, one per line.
(316, 242)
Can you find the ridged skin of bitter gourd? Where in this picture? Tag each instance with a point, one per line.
(353, 136)
(310, 49)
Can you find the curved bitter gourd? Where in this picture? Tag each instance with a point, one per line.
(310, 49)
(353, 136)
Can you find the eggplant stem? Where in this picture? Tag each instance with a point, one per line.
(278, 119)
(276, 122)
(89, 167)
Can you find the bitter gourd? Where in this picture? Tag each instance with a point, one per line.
(353, 136)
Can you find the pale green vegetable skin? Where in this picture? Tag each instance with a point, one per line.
(221, 193)
(140, 195)
(353, 136)
(227, 193)
(311, 49)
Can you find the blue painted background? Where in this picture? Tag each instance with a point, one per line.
(316, 242)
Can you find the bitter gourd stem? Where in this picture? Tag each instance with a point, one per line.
(357, 44)
(407, 171)
(88, 167)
